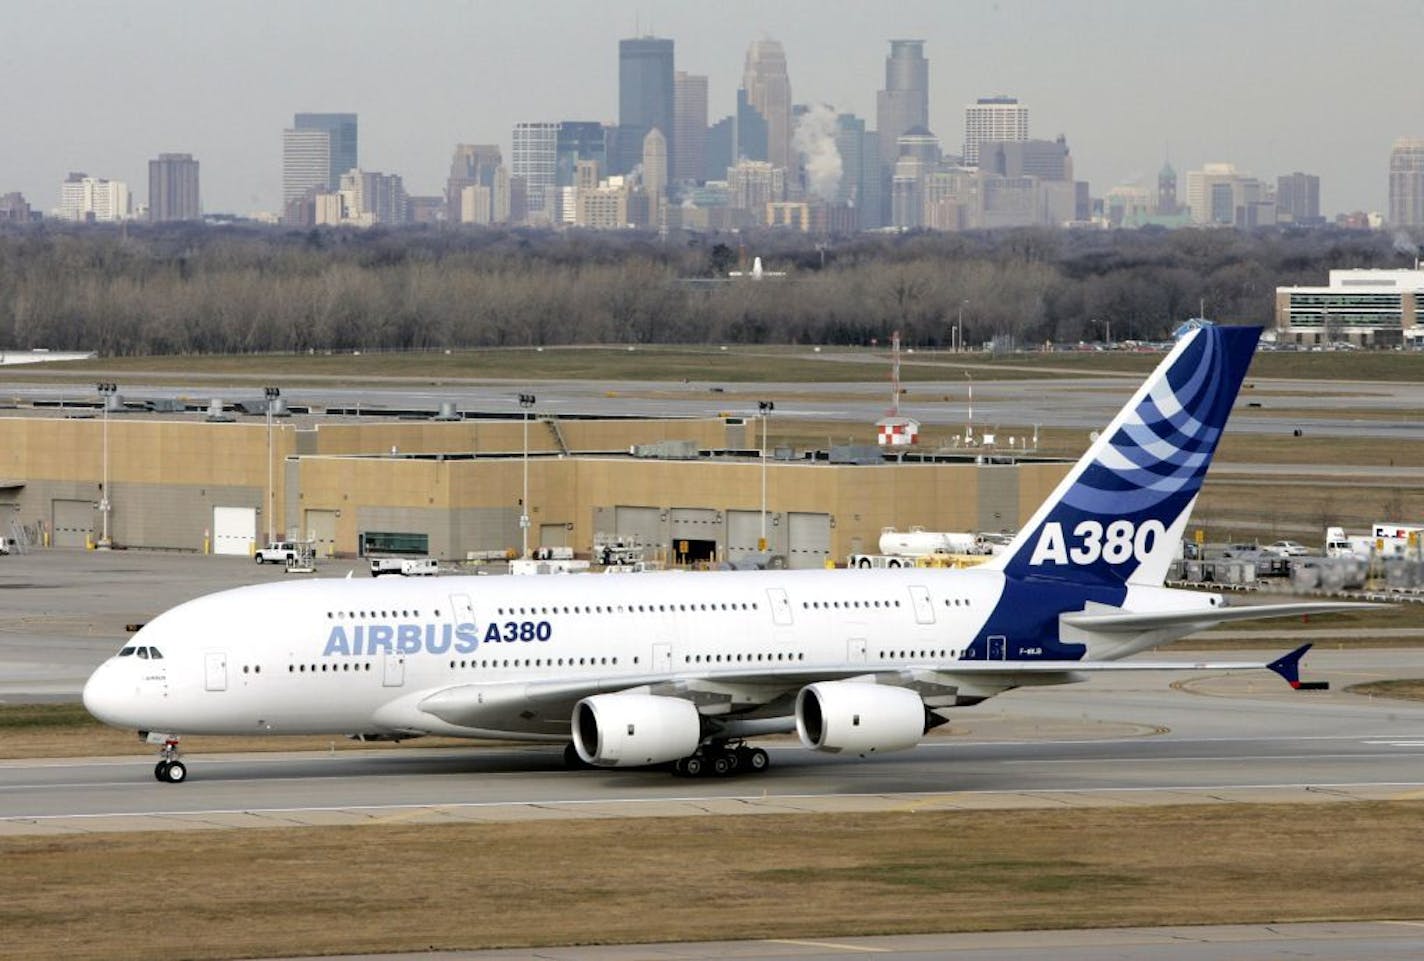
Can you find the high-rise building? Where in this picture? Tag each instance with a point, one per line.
(1044, 159)
(1298, 197)
(752, 184)
(721, 148)
(173, 188)
(850, 144)
(655, 165)
(1167, 205)
(536, 162)
(751, 131)
(14, 209)
(645, 97)
(473, 165)
(580, 140)
(1406, 183)
(905, 101)
(374, 198)
(992, 118)
(1219, 194)
(94, 199)
(306, 163)
(341, 130)
(768, 90)
(689, 124)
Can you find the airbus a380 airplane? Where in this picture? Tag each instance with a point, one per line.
(644, 669)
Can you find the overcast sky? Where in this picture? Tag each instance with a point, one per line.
(1323, 86)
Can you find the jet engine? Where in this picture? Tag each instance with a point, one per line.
(629, 730)
(860, 718)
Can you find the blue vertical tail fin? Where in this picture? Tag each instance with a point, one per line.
(1121, 511)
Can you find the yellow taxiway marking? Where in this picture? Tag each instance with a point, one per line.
(827, 944)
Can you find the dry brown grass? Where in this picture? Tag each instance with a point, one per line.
(1409, 689)
(405, 888)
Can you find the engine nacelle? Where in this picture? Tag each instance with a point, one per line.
(860, 718)
(629, 730)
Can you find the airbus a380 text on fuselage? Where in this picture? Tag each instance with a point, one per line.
(643, 669)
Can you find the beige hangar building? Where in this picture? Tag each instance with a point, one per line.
(687, 489)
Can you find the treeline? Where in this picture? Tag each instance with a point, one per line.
(174, 290)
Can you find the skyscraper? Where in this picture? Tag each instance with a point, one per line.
(905, 101)
(992, 118)
(93, 199)
(536, 162)
(1406, 183)
(173, 188)
(689, 124)
(341, 129)
(1167, 205)
(655, 167)
(580, 140)
(750, 131)
(473, 165)
(1298, 197)
(645, 97)
(306, 163)
(768, 89)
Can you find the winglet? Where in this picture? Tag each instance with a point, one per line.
(1288, 667)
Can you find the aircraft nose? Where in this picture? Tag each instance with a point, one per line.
(104, 696)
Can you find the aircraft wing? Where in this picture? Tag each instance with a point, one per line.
(1131, 622)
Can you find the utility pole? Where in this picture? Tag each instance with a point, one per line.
(526, 401)
(959, 328)
(106, 392)
(272, 394)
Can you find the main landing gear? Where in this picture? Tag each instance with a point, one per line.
(722, 760)
(169, 769)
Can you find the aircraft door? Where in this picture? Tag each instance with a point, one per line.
(924, 608)
(394, 670)
(997, 647)
(855, 650)
(461, 610)
(780, 606)
(215, 670)
(662, 658)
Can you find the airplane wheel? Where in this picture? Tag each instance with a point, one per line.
(723, 764)
(691, 766)
(160, 771)
(176, 772)
(756, 760)
(865, 562)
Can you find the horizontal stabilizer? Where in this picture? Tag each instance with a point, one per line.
(1130, 622)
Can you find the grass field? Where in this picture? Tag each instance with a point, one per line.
(228, 894)
(1407, 689)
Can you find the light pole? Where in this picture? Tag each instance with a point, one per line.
(526, 401)
(106, 391)
(959, 328)
(764, 407)
(272, 394)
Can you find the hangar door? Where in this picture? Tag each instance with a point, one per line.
(640, 525)
(695, 533)
(743, 532)
(810, 540)
(73, 523)
(234, 530)
(320, 526)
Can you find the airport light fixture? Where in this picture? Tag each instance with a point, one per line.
(764, 408)
(526, 401)
(271, 393)
(106, 391)
(959, 328)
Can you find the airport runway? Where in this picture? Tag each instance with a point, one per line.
(1321, 941)
(1149, 738)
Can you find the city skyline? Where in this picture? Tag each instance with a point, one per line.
(1118, 80)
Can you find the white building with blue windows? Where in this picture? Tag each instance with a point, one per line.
(1363, 308)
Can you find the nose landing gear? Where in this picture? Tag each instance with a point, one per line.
(169, 769)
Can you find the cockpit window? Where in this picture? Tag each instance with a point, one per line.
(143, 653)
(126, 652)
(154, 653)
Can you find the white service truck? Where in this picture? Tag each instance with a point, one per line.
(277, 552)
(405, 566)
(918, 547)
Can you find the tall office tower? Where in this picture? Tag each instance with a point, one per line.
(992, 118)
(306, 163)
(655, 165)
(580, 140)
(1406, 183)
(751, 131)
(689, 126)
(1298, 196)
(850, 144)
(645, 97)
(721, 148)
(768, 89)
(93, 199)
(375, 198)
(341, 128)
(1167, 205)
(1044, 159)
(536, 163)
(1221, 195)
(473, 165)
(905, 101)
(173, 188)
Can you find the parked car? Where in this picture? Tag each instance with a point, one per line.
(278, 552)
(1286, 549)
(1242, 549)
